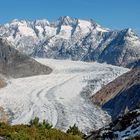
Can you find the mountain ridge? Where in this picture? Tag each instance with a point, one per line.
(75, 39)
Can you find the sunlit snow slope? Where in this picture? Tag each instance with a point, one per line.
(59, 97)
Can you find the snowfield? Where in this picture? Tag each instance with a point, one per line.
(62, 97)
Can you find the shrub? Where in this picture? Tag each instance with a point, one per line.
(46, 125)
(34, 122)
(74, 130)
(34, 131)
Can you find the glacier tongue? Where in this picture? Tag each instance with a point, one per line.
(59, 97)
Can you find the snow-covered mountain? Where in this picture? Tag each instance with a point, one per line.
(124, 128)
(72, 38)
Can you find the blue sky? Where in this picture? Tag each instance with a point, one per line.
(115, 14)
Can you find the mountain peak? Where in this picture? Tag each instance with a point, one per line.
(66, 20)
(129, 32)
(14, 20)
(94, 23)
(43, 22)
(17, 22)
(64, 17)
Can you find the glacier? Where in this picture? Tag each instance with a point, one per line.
(60, 96)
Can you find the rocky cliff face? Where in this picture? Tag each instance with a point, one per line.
(76, 39)
(14, 64)
(2, 83)
(125, 127)
(121, 95)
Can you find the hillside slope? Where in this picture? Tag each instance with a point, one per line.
(35, 131)
(14, 64)
(124, 128)
(120, 95)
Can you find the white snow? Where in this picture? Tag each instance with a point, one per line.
(84, 25)
(100, 29)
(58, 97)
(50, 31)
(23, 28)
(26, 31)
(42, 22)
(130, 132)
(40, 30)
(65, 31)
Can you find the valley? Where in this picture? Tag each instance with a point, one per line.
(73, 73)
(57, 97)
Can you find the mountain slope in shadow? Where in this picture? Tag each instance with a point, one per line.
(14, 64)
(121, 95)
